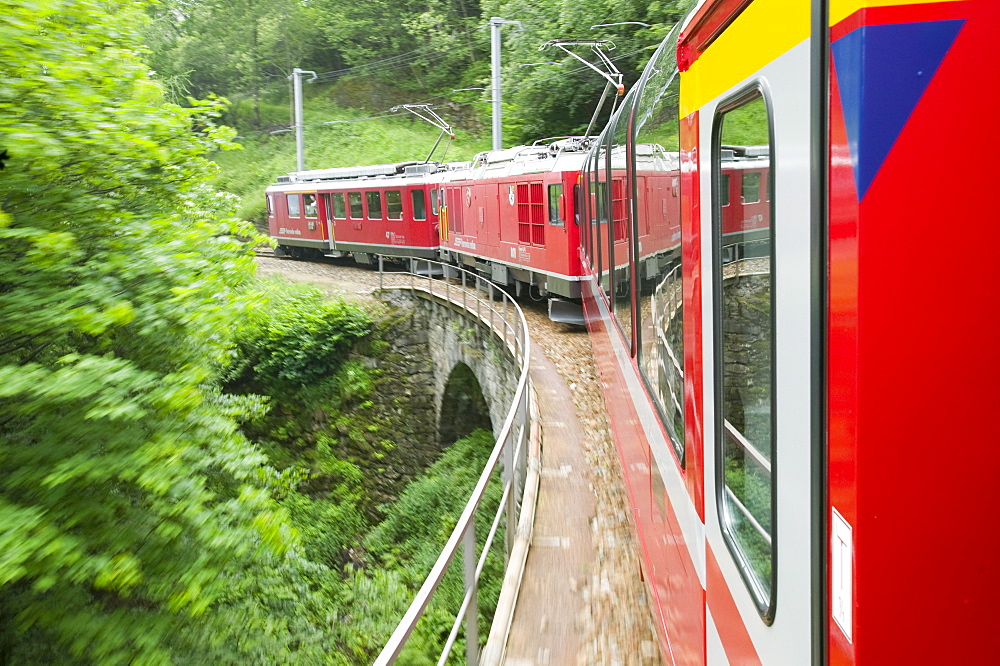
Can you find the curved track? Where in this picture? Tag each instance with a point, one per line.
(614, 625)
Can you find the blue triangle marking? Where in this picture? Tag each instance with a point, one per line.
(883, 71)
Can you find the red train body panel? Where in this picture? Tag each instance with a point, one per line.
(383, 209)
(792, 347)
(513, 212)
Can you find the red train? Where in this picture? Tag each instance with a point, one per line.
(368, 211)
(508, 214)
(793, 316)
(798, 347)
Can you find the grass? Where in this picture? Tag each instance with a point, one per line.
(361, 140)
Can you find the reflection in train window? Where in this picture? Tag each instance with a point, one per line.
(294, 205)
(339, 209)
(357, 210)
(419, 205)
(601, 229)
(745, 376)
(270, 205)
(394, 205)
(658, 266)
(751, 186)
(374, 205)
(621, 220)
(555, 211)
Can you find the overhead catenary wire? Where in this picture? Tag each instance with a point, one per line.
(453, 104)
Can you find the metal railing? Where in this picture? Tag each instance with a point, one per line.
(464, 289)
(753, 453)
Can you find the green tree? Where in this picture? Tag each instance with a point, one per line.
(132, 514)
(237, 48)
(555, 100)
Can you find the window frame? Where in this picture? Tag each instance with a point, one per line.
(297, 198)
(351, 205)
(417, 194)
(558, 219)
(377, 196)
(306, 204)
(334, 198)
(393, 207)
(665, 59)
(765, 606)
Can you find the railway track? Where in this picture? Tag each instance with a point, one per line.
(617, 629)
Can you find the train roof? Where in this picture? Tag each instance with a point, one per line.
(397, 169)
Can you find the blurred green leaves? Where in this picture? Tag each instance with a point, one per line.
(130, 505)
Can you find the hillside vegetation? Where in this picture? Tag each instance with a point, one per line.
(369, 57)
(349, 138)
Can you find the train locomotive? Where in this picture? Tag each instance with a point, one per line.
(793, 317)
(508, 214)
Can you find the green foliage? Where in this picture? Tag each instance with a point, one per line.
(137, 522)
(556, 100)
(747, 125)
(351, 141)
(417, 526)
(132, 518)
(293, 337)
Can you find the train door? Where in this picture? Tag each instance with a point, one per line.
(749, 86)
(489, 218)
(326, 217)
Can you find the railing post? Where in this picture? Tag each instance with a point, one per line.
(491, 307)
(510, 477)
(472, 612)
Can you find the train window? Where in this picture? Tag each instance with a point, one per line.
(577, 203)
(310, 204)
(659, 276)
(357, 210)
(394, 204)
(601, 227)
(751, 186)
(724, 189)
(339, 209)
(374, 205)
(270, 205)
(744, 304)
(419, 204)
(555, 209)
(434, 201)
(294, 205)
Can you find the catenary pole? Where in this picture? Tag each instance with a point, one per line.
(296, 78)
(495, 24)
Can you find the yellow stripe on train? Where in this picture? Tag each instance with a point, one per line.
(765, 30)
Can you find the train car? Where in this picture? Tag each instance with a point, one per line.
(385, 209)
(511, 215)
(793, 316)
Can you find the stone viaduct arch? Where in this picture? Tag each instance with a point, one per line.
(465, 356)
